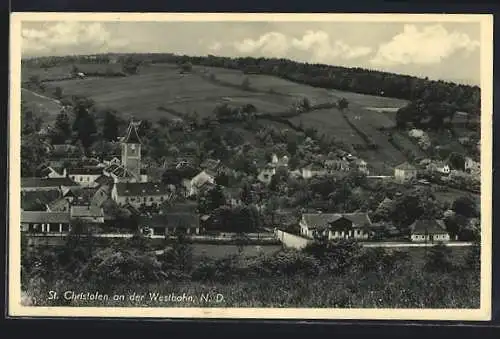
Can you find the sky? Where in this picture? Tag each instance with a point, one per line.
(438, 50)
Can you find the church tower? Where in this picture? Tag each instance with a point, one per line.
(131, 151)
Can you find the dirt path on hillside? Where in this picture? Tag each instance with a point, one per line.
(42, 96)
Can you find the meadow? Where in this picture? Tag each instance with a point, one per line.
(161, 91)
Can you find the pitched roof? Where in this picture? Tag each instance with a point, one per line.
(171, 220)
(142, 189)
(131, 136)
(86, 211)
(85, 170)
(428, 227)
(46, 182)
(318, 220)
(104, 180)
(406, 167)
(37, 200)
(38, 217)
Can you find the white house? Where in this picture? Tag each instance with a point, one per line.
(192, 186)
(405, 172)
(313, 170)
(334, 226)
(45, 222)
(440, 167)
(141, 193)
(429, 231)
(85, 176)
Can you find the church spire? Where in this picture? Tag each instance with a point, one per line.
(132, 136)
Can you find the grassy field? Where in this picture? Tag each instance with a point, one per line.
(46, 107)
(162, 85)
(329, 122)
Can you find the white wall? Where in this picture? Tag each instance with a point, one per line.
(291, 241)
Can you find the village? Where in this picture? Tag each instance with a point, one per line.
(117, 197)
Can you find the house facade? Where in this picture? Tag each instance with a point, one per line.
(85, 176)
(429, 231)
(405, 172)
(171, 223)
(45, 222)
(333, 226)
(46, 184)
(141, 193)
(440, 167)
(313, 170)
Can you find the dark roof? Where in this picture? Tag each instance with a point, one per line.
(131, 136)
(81, 195)
(36, 217)
(320, 220)
(142, 189)
(37, 200)
(184, 207)
(428, 227)
(406, 167)
(85, 171)
(178, 220)
(104, 180)
(65, 149)
(86, 211)
(59, 205)
(47, 182)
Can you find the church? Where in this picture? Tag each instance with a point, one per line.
(129, 171)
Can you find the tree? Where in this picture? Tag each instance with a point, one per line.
(439, 259)
(245, 84)
(110, 126)
(343, 104)
(172, 177)
(84, 123)
(186, 67)
(465, 206)
(305, 104)
(62, 129)
(33, 154)
(130, 66)
(58, 92)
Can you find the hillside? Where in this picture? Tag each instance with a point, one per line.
(162, 90)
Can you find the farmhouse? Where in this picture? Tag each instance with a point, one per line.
(336, 226)
(85, 176)
(42, 221)
(141, 193)
(46, 184)
(172, 223)
(428, 230)
(337, 165)
(361, 165)
(405, 172)
(440, 167)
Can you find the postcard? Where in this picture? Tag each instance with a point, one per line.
(250, 166)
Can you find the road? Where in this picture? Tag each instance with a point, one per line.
(42, 96)
(406, 245)
(263, 237)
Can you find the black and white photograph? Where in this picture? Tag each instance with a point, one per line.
(333, 166)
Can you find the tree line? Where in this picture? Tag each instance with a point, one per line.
(359, 80)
